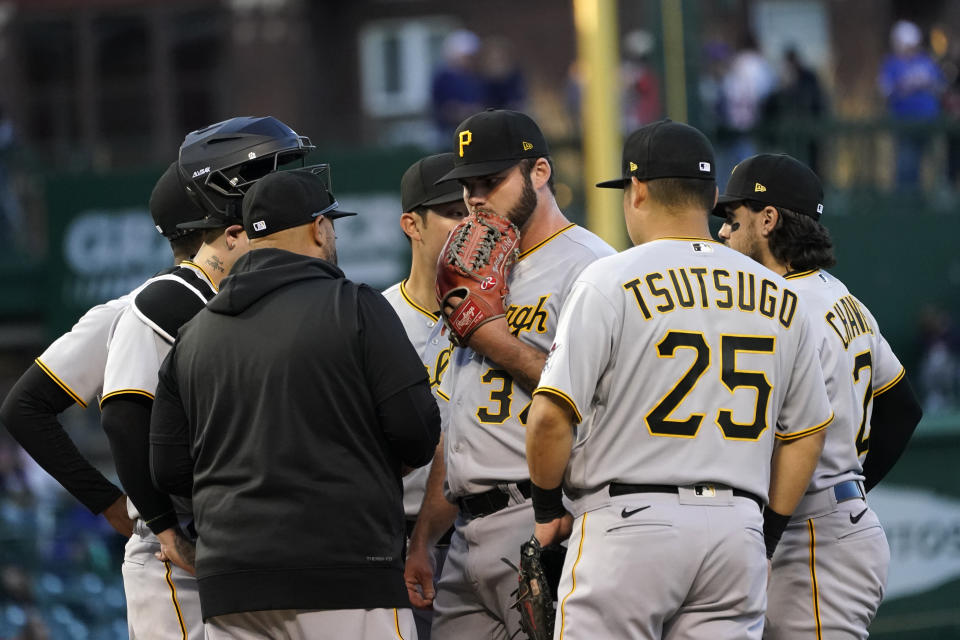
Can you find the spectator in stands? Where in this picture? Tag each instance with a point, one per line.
(797, 104)
(939, 363)
(641, 83)
(911, 82)
(745, 86)
(458, 88)
(506, 87)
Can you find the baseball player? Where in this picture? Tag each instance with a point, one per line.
(70, 371)
(678, 369)
(480, 480)
(830, 569)
(212, 160)
(431, 211)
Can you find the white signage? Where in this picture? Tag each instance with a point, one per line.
(923, 529)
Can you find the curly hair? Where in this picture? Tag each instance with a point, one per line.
(798, 240)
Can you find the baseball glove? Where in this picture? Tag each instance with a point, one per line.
(474, 265)
(537, 596)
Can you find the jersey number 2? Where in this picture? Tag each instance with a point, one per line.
(864, 361)
(658, 420)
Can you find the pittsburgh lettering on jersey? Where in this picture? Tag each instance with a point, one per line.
(528, 317)
(848, 320)
(439, 367)
(690, 287)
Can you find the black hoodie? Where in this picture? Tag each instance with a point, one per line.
(298, 399)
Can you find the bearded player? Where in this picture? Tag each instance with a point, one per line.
(830, 569)
(480, 477)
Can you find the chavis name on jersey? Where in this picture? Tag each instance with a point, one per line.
(690, 287)
(848, 320)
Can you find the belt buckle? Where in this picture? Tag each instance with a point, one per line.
(705, 490)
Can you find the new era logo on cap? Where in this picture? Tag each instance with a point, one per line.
(527, 145)
(759, 188)
(819, 209)
(705, 167)
(259, 225)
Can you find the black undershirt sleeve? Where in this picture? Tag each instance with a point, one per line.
(896, 413)
(171, 464)
(29, 413)
(126, 420)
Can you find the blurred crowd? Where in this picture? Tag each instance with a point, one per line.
(59, 573)
(745, 97)
(474, 75)
(939, 368)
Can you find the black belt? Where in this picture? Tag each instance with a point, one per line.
(483, 504)
(444, 539)
(620, 489)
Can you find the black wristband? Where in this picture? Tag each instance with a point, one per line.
(547, 503)
(774, 525)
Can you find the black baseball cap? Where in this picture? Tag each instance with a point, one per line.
(419, 187)
(665, 149)
(493, 140)
(286, 199)
(170, 205)
(778, 180)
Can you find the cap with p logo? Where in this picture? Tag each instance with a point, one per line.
(491, 141)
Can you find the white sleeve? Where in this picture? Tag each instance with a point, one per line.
(134, 356)
(75, 360)
(582, 348)
(806, 407)
(887, 368)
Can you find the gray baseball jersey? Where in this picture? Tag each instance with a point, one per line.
(830, 569)
(76, 360)
(434, 351)
(137, 345)
(857, 364)
(165, 600)
(485, 438)
(485, 444)
(683, 359)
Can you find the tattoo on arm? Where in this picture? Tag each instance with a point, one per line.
(215, 263)
(186, 549)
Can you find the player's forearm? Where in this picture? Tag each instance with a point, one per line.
(522, 361)
(896, 413)
(127, 425)
(793, 464)
(549, 438)
(29, 413)
(437, 514)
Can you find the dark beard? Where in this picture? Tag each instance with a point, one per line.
(521, 212)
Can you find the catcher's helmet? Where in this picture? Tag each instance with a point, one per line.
(218, 163)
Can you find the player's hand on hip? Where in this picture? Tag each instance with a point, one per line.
(116, 514)
(418, 576)
(176, 548)
(555, 531)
